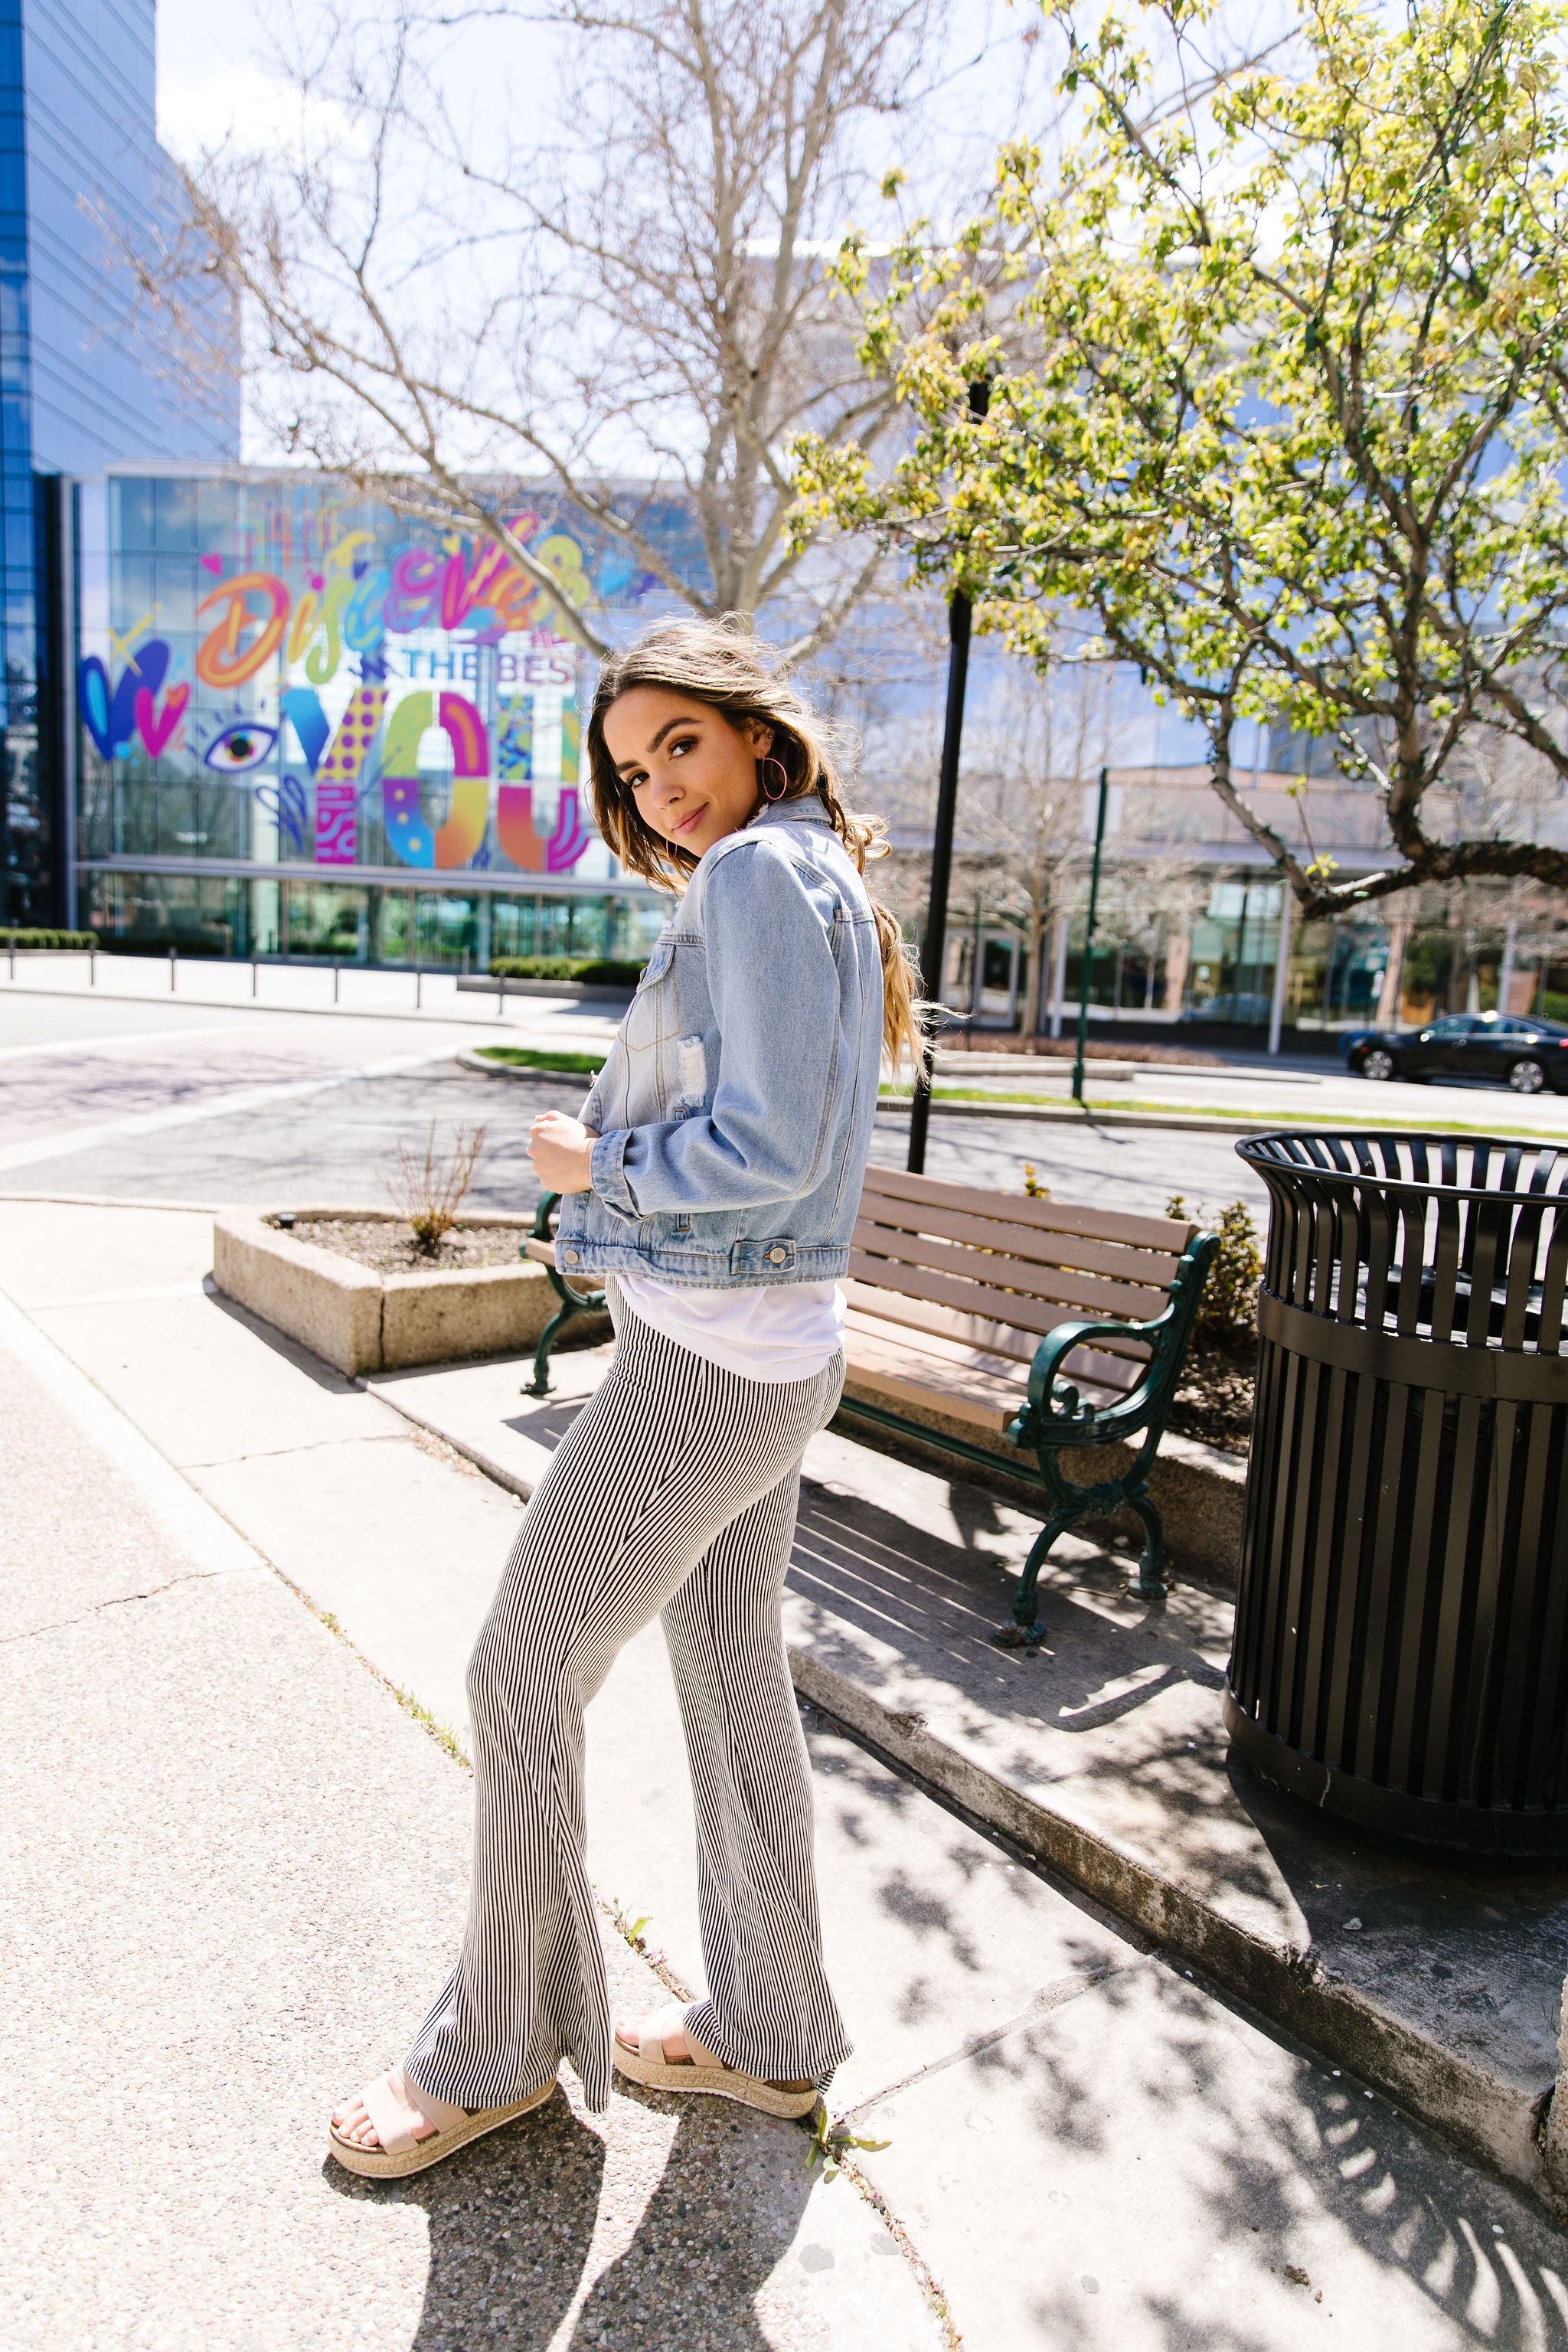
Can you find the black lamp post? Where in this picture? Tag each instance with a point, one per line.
(933, 948)
(1088, 944)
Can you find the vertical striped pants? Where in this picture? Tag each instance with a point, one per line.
(676, 1491)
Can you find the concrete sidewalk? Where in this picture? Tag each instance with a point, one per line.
(1087, 2147)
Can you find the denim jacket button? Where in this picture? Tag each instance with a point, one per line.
(775, 1257)
(570, 1257)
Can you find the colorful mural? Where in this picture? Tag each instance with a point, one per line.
(407, 702)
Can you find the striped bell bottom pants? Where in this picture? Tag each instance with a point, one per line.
(674, 1491)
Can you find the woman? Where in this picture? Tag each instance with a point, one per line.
(712, 1182)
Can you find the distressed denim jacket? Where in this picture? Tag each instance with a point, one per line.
(734, 1111)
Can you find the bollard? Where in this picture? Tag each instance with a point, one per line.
(174, 966)
(500, 996)
(253, 975)
(334, 980)
(92, 967)
(418, 987)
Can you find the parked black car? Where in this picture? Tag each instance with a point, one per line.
(1512, 1049)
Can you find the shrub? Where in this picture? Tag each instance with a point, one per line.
(428, 1191)
(45, 938)
(1229, 1309)
(604, 971)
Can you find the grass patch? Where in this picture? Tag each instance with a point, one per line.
(529, 1058)
(439, 1732)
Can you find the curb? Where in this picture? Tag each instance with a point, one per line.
(1062, 1115)
(1494, 2122)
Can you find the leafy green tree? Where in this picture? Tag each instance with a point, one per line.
(1278, 398)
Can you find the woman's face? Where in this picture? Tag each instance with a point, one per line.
(692, 774)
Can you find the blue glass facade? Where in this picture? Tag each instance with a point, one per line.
(83, 383)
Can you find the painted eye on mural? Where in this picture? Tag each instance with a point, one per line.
(240, 746)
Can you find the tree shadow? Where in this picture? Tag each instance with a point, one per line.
(1283, 2178)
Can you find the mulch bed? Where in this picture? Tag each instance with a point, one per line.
(1213, 1398)
(387, 1247)
(1063, 1049)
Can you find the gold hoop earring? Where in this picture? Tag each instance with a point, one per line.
(768, 790)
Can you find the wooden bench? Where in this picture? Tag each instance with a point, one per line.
(1053, 1328)
(1050, 1328)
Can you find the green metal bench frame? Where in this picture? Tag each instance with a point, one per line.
(1056, 1422)
(573, 1302)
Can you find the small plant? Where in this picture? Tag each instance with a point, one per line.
(1229, 1309)
(829, 2143)
(428, 1189)
(1033, 1187)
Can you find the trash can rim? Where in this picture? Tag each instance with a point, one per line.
(1249, 1149)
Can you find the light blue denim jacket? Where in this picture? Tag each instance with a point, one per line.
(734, 1111)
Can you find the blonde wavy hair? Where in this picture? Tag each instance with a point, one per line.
(720, 663)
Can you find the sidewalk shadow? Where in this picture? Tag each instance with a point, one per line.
(726, 2209)
(511, 2220)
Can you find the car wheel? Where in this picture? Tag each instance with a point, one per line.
(1377, 1064)
(1527, 1077)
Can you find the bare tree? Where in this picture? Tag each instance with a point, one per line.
(1143, 902)
(637, 315)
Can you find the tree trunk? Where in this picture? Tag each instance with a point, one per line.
(1035, 948)
(1391, 994)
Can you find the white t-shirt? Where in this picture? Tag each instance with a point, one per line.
(779, 1331)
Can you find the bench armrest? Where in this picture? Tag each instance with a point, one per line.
(1056, 1417)
(541, 1248)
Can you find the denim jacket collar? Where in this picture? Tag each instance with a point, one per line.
(806, 811)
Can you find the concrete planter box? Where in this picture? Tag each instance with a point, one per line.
(364, 1321)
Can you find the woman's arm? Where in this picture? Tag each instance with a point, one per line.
(773, 981)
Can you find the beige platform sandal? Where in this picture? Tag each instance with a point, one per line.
(640, 2055)
(396, 2107)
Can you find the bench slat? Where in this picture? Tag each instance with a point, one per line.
(1058, 1216)
(891, 1374)
(1121, 1373)
(921, 1341)
(543, 1253)
(991, 1279)
(1012, 1239)
(929, 1315)
(889, 1368)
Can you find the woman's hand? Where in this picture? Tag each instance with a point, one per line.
(561, 1150)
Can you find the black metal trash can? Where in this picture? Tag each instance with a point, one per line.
(1401, 1656)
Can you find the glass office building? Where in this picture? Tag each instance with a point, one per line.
(83, 385)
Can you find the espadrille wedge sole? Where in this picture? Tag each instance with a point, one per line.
(645, 2062)
(400, 2153)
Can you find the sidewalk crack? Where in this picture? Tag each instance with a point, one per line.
(1050, 1997)
(116, 1601)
